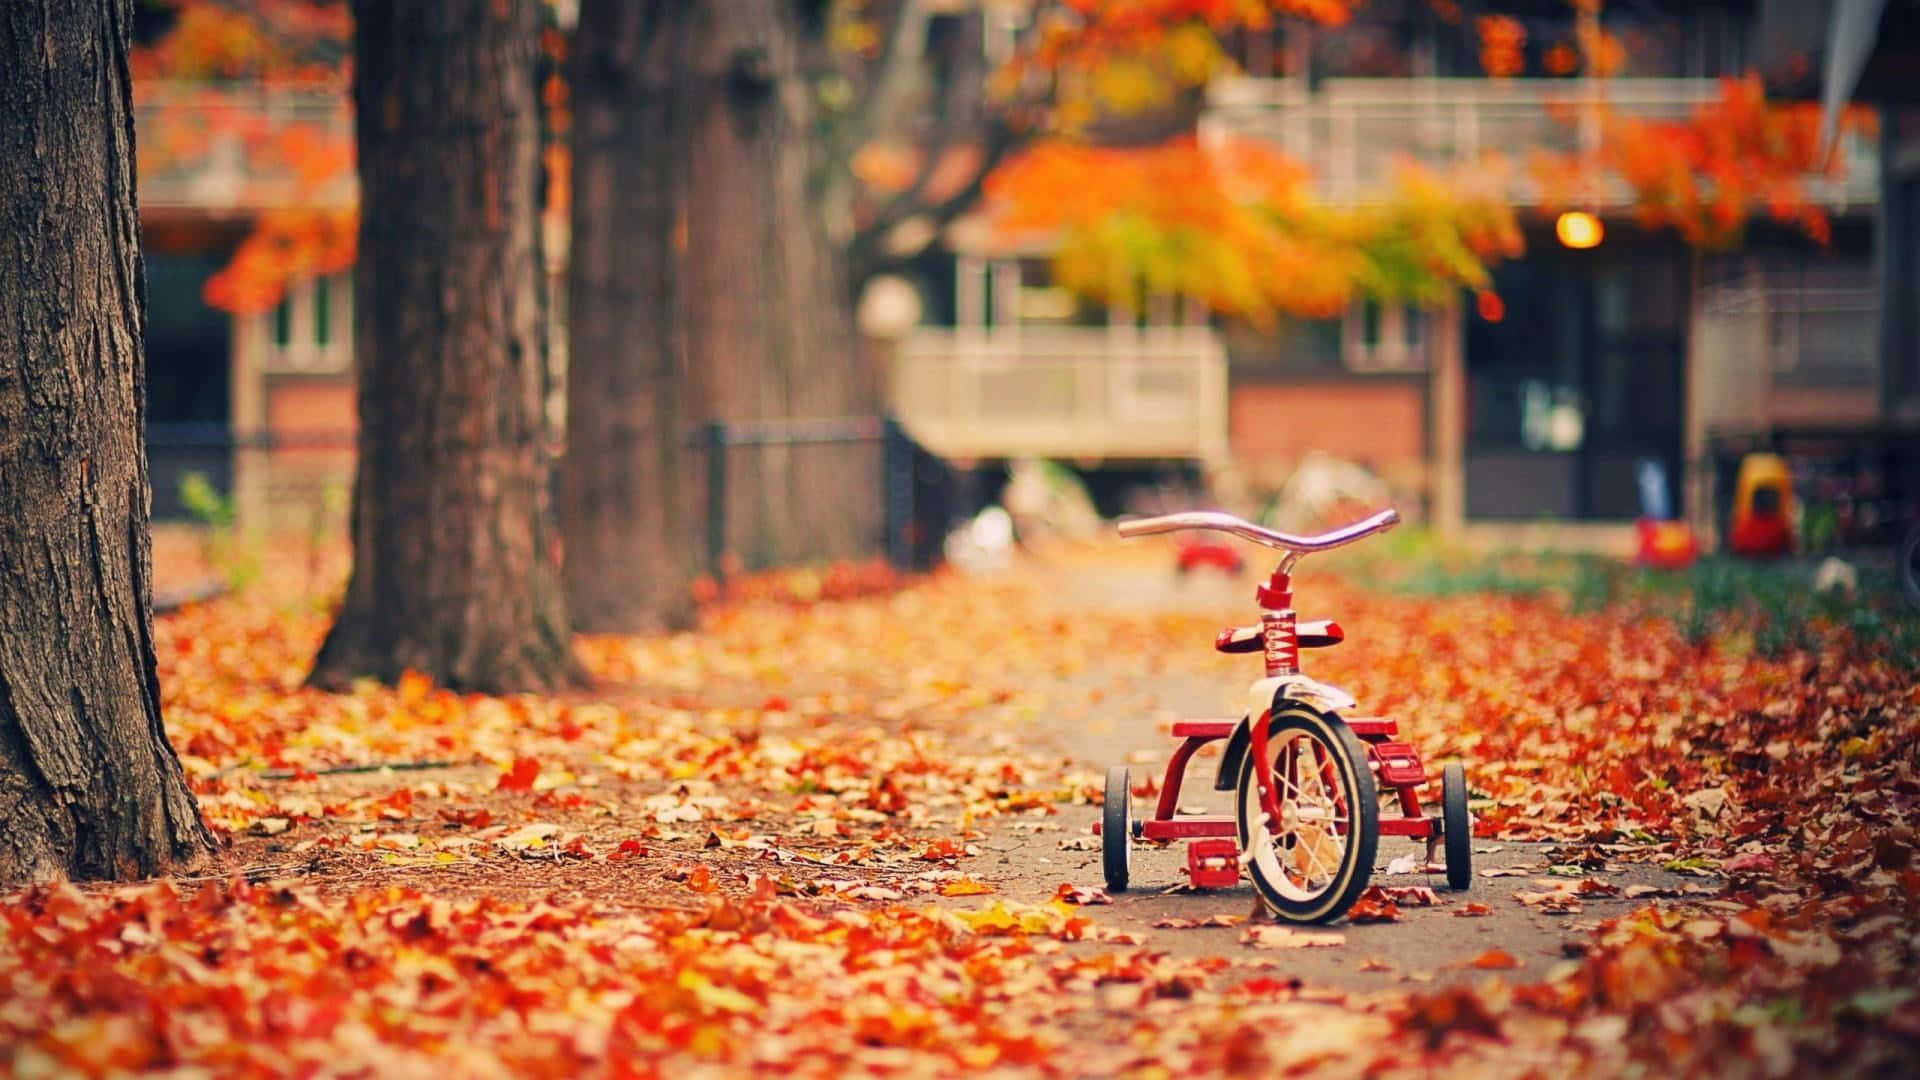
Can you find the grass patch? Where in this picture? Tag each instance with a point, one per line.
(1770, 609)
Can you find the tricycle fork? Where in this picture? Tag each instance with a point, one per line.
(1263, 771)
(1263, 774)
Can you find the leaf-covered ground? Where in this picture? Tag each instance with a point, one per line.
(759, 846)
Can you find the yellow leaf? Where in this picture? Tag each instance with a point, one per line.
(724, 998)
(990, 919)
(965, 887)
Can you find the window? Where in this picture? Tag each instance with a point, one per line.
(322, 312)
(311, 329)
(1384, 337)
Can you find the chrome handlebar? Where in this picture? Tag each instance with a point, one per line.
(1247, 530)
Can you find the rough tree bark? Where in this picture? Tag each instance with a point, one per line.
(456, 565)
(703, 288)
(89, 786)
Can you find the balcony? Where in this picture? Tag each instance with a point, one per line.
(1350, 131)
(1073, 393)
(239, 147)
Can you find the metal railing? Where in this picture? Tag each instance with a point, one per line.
(240, 145)
(1808, 336)
(1349, 132)
(1064, 392)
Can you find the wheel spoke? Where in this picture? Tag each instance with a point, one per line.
(1309, 812)
(1301, 818)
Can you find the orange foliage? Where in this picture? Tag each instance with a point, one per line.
(1561, 59)
(286, 245)
(1131, 55)
(287, 164)
(1501, 41)
(1735, 158)
(266, 40)
(1234, 225)
(290, 165)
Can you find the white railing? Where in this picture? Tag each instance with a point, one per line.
(1818, 336)
(1349, 132)
(1064, 392)
(240, 146)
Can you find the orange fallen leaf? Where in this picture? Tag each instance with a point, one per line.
(1495, 958)
(521, 776)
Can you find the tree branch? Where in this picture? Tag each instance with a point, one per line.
(867, 254)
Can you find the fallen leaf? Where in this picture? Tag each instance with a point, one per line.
(1494, 959)
(1174, 923)
(1269, 936)
(521, 776)
(1373, 906)
(965, 887)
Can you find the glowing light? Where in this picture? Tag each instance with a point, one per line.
(1578, 229)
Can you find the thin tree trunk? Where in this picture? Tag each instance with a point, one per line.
(456, 568)
(703, 288)
(89, 786)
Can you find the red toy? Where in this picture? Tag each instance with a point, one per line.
(1665, 545)
(1198, 553)
(1306, 778)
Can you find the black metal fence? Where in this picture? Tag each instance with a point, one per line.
(176, 451)
(921, 494)
(918, 490)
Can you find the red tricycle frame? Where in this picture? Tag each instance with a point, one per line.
(1327, 780)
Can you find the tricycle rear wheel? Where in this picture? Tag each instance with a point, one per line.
(1456, 825)
(1116, 829)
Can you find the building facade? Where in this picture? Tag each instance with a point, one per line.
(1638, 348)
(1596, 359)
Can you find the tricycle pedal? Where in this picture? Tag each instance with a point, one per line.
(1399, 764)
(1213, 864)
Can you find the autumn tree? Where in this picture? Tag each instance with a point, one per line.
(89, 786)
(456, 565)
(722, 229)
(1735, 159)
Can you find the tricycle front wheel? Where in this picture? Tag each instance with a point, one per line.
(1311, 864)
(1116, 829)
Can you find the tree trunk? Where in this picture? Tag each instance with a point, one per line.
(89, 786)
(456, 569)
(629, 498)
(703, 288)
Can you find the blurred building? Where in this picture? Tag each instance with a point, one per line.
(261, 402)
(1637, 348)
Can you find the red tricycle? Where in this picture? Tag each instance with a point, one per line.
(1306, 777)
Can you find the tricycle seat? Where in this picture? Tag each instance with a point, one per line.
(1313, 634)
